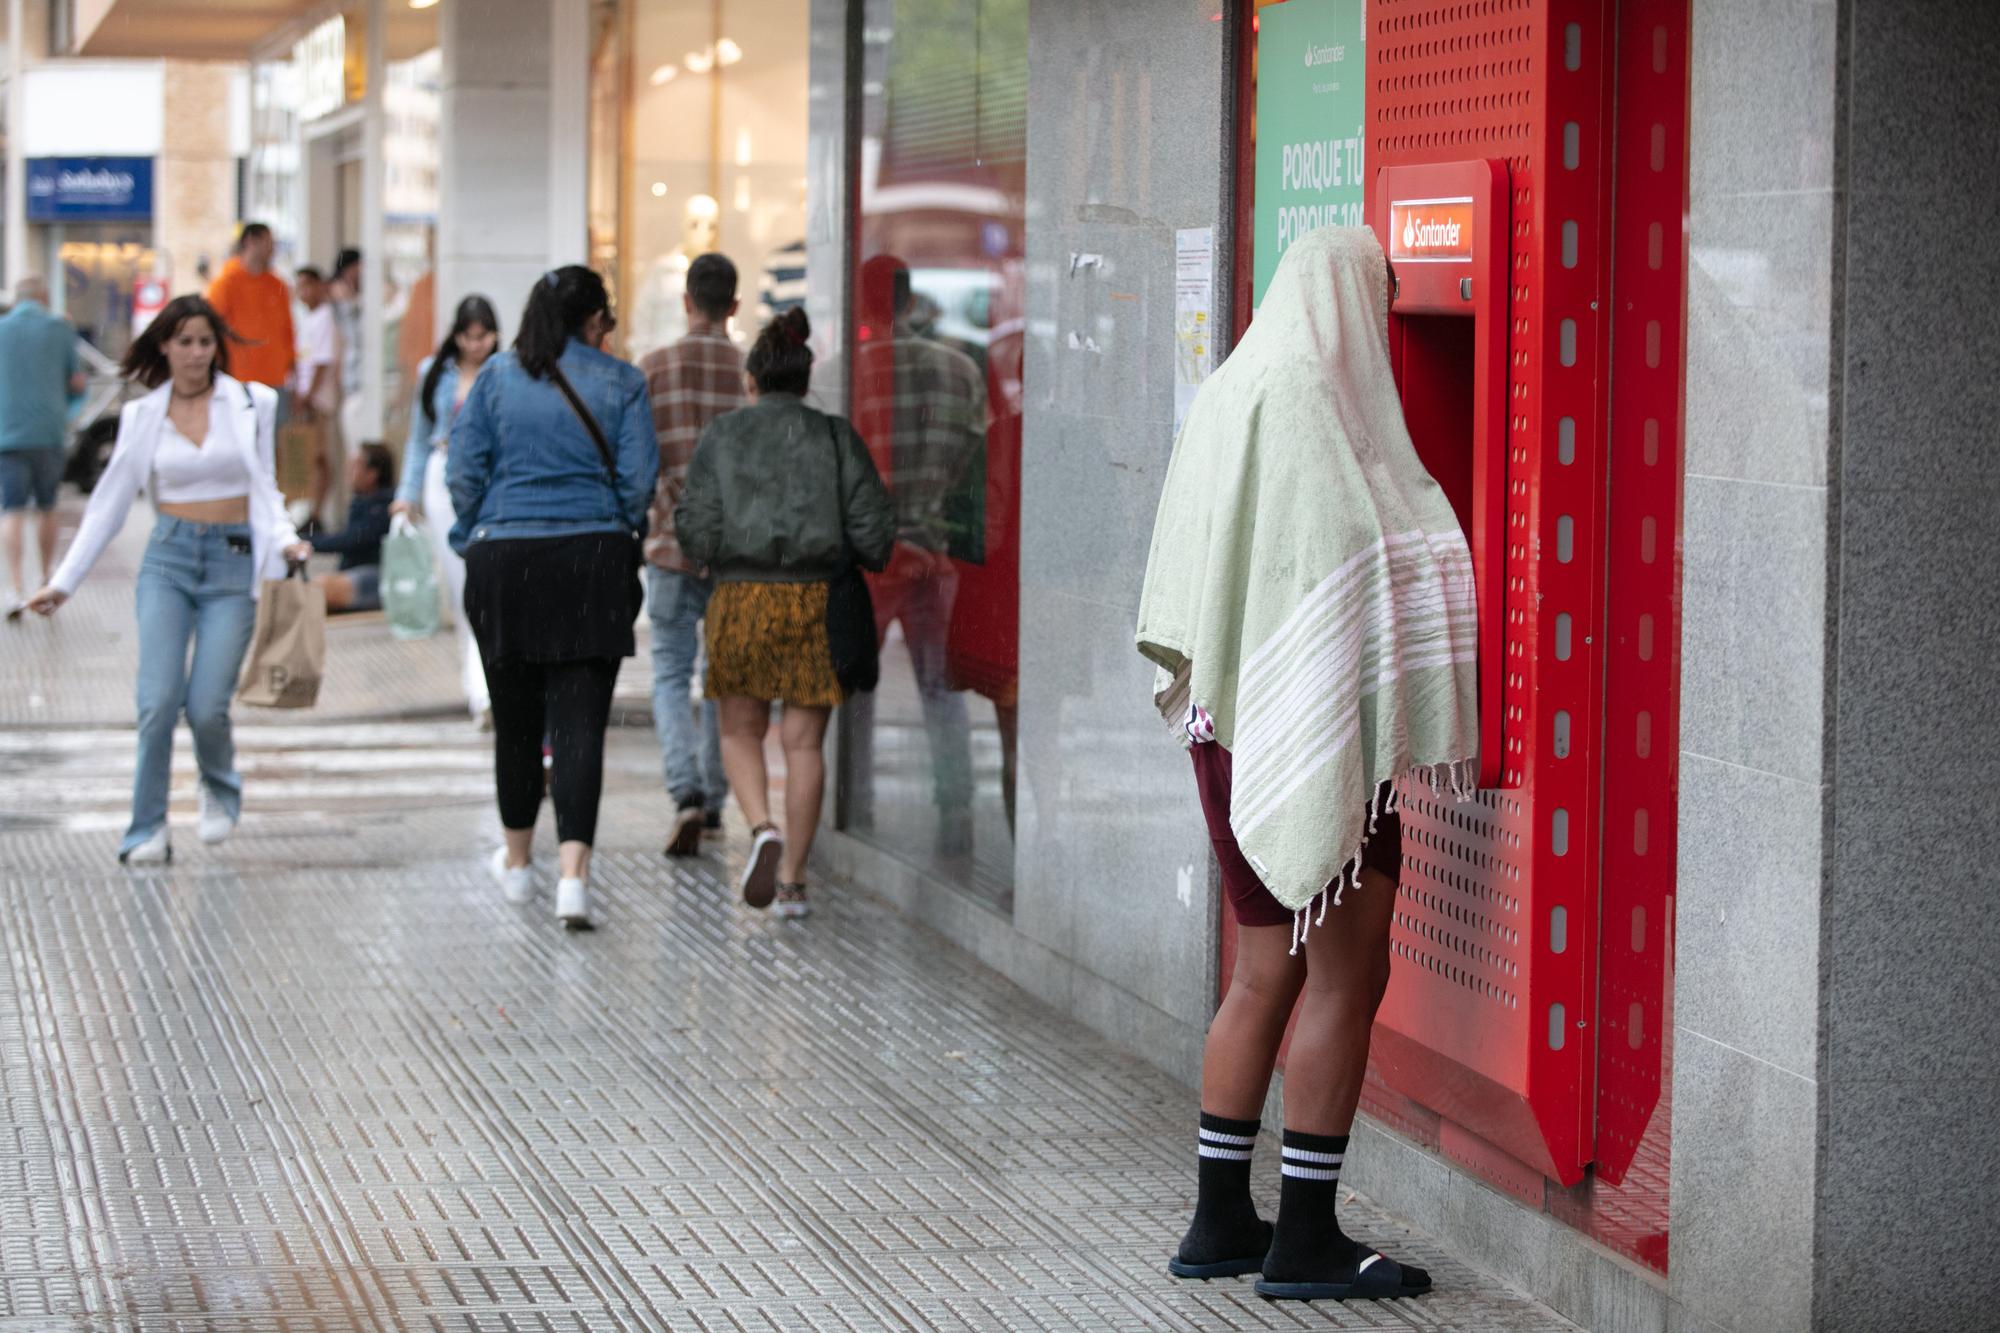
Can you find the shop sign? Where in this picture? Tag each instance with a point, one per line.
(1311, 86)
(90, 189)
(320, 58)
(1430, 231)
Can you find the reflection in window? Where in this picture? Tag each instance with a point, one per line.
(935, 389)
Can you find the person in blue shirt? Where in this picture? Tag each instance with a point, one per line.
(444, 382)
(551, 470)
(38, 374)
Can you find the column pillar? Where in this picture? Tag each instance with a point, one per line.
(375, 266)
(496, 154)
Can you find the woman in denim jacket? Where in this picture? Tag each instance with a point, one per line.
(551, 469)
(445, 380)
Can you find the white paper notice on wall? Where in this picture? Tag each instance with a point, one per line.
(1194, 315)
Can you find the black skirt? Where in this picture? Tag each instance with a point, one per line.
(553, 599)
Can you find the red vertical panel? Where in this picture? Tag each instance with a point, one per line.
(1642, 665)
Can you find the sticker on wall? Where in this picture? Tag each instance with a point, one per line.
(1311, 104)
(1194, 315)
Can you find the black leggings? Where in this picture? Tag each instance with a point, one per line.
(570, 704)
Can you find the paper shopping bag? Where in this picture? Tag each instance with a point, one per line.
(288, 647)
(298, 445)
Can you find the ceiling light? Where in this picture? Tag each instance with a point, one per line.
(423, 4)
(728, 52)
(700, 62)
(664, 74)
(659, 189)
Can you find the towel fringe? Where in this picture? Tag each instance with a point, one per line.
(1456, 775)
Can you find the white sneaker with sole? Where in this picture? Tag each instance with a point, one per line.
(216, 825)
(759, 883)
(157, 850)
(517, 883)
(572, 904)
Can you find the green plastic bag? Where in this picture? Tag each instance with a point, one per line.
(408, 582)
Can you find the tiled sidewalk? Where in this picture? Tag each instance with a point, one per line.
(324, 1078)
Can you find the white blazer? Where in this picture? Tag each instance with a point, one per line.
(250, 417)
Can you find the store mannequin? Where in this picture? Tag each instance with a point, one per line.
(658, 314)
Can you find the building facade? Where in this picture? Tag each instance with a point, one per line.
(1660, 1049)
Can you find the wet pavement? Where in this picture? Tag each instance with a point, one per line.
(323, 1077)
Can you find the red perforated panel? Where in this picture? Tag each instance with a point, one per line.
(1643, 665)
(1490, 1020)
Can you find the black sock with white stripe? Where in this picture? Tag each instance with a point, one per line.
(1226, 1225)
(1308, 1244)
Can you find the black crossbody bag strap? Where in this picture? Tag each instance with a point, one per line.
(583, 414)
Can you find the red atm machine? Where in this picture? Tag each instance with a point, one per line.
(1528, 164)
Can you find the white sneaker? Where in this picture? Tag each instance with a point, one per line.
(572, 904)
(216, 825)
(759, 882)
(517, 883)
(157, 850)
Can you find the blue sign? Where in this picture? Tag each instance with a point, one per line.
(90, 189)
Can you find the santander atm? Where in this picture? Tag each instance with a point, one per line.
(1526, 173)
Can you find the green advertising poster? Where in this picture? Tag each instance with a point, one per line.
(1311, 79)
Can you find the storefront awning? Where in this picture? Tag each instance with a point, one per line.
(226, 29)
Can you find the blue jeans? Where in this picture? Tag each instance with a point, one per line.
(675, 603)
(193, 584)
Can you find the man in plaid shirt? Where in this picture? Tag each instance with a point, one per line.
(692, 381)
(921, 406)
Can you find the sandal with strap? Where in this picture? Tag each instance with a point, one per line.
(1376, 1278)
(1209, 1268)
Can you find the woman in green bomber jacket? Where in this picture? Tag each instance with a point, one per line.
(781, 500)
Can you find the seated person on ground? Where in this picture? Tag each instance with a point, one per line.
(356, 587)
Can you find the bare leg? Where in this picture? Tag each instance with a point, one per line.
(45, 535)
(803, 732)
(1347, 970)
(520, 846)
(1244, 1037)
(744, 724)
(10, 536)
(575, 859)
(1008, 717)
(339, 591)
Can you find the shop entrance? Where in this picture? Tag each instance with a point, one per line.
(99, 265)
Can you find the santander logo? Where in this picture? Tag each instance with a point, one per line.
(1432, 230)
(1437, 234)
(1325, 55)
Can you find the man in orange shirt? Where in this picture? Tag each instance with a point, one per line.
(257, 306)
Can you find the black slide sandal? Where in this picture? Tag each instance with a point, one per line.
(1379, 1278)
(1220, 1268)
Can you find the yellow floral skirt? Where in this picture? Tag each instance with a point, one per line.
(768, 641)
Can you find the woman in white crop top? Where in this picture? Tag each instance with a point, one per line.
(201, 444)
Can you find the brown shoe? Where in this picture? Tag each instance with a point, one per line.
(686, 837)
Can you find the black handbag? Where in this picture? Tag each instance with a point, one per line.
(610, 459)
(850, 611)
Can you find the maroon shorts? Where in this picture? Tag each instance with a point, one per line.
(1249, 901)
